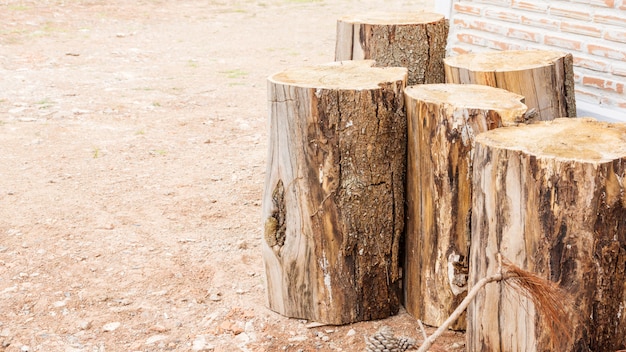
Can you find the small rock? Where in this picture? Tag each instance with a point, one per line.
(159, 328)
(215, 297)
(242, 244)
(84, 324)
(155, 338)
(325, 338)
(5, 332)
(111, 326)
(298, 338)
(243, 339)
(25, 348)
(351, 332)
(457, 345)
(200, 344)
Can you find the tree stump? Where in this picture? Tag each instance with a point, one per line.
(551, 198)
(333, 206)
(544, 78)
(442, 122)
(416, 41)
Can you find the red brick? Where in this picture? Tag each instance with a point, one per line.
(562, 42)
(524, 35)
(500, 45)
(485, 26)
(599, 3)
(591, 64)
(613, 18)
(605, 51)
(569, 12)
(495, 2)
(503, 15)
(610, 102)
(541, 22)
(587, 96)
(470, 39)
(619, 70)
(531, 6)
(604, 84)
(578, 28)
(467, 9)
(459, 51)
(615, 36)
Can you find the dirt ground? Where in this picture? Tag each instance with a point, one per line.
(132, 160)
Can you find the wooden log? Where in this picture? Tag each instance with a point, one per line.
(551, 198)
(544, 78)
(416, 41)
(442, 122)
(333, 206)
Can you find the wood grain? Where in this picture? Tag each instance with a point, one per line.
(335, 178)
(550, 197)
(416, 41)
(544, 78)
(443, 120)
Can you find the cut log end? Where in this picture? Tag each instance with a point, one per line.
(545, 78)
(513, 60)
(353, 75)
(393, 18)
(472, 96)
(581, 139)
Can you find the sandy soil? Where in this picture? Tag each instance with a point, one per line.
(132, 159)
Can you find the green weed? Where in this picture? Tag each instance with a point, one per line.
(236, 73)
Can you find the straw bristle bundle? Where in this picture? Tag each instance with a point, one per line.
(551, 302)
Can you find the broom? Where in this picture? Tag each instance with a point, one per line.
(550, 302)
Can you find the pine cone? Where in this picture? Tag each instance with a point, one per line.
(384, 341)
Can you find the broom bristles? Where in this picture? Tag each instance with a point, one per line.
(553, 304)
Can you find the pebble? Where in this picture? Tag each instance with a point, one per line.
(298, 338)
(111, 326)
(155, 338)
(351, 332)
(84, 324)
(159, 328)
(215, 297)
(200, 344)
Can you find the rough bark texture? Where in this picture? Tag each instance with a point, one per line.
(544, 78)
(416, 41)
(443, 120)
(551, 198)
(334, 194)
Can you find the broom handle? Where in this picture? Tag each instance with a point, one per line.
(459, 310)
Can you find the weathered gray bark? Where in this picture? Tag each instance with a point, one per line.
(551, 198)
(416, 41)
(443, 120)
(333, 206)
(544, 78)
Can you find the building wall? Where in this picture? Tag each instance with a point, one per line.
(594, 31)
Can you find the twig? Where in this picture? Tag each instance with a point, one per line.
(423, 330)
(459, 310)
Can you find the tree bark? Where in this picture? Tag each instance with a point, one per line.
(544, 78)
(416, 41)
(443, 120)
(551, 198)
(333, 206)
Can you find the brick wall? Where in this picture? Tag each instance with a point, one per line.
(594, 31)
